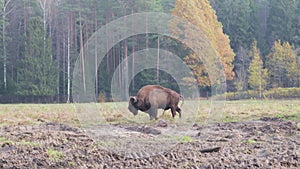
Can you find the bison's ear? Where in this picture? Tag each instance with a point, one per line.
(133, 99)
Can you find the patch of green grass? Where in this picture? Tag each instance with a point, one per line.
(5, 140)
(251, 141)
(186, 139)
(229, 119)
(293, 116)
(29, 143)
(55, 155)
(298, 125)
(71, 163)
(280, 115)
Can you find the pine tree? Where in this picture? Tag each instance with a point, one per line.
(201, 15)
(235, 16)
(37, 72)
(257, 74)
(282, 21)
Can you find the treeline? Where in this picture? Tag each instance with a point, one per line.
(41, 40)
(265, 37)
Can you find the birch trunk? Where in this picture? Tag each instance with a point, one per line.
(68, 62)
(5, 12)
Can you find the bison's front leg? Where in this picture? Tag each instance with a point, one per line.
(152, 113)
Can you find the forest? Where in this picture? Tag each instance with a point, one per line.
(257, 42)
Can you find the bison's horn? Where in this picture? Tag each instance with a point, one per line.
(133, 99)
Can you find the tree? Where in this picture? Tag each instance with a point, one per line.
(282, 65)
(282, 21)
(200, 14)
(236, 17)
(156, 6)
(257, 74)
(4, 6)
(37, 72)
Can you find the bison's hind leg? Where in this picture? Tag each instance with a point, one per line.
(166, 108)
(173, 110)
(179, 111)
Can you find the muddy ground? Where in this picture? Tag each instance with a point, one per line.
(265, 143)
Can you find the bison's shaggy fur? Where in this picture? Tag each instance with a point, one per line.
(153, 97)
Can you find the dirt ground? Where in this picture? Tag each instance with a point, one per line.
(265, 143)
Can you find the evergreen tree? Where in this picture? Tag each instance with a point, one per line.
(261, 18)
(297, 36)
(282, 65)
(257, 74)
(37, 72)
(282, 21)
(236, 17)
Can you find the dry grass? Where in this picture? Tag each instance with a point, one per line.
(255, 109)
(12, 114)
(193, 111)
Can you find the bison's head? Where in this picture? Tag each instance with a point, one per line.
(132, 106)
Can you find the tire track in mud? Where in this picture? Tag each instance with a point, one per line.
(265, 143)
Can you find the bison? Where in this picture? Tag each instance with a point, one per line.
(153, 97)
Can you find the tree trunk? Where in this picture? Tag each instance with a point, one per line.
(42, 4)
(44, 24)
(58, 56)
(82, 53)
(126, 52)
(147, 36)
(133, 50)
(96, 54)
(119, 62)
(5, 12)
(25, 19)
(107, 43)
(260, 79)
(4, 49)
(68, 61)
(158, 59)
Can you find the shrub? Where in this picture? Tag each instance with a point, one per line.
(277, 93)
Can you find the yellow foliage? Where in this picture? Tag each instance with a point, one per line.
(201, 15)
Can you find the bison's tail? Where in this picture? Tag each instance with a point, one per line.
(181, 98)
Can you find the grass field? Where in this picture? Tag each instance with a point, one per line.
(135, 141)
(193, 111)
